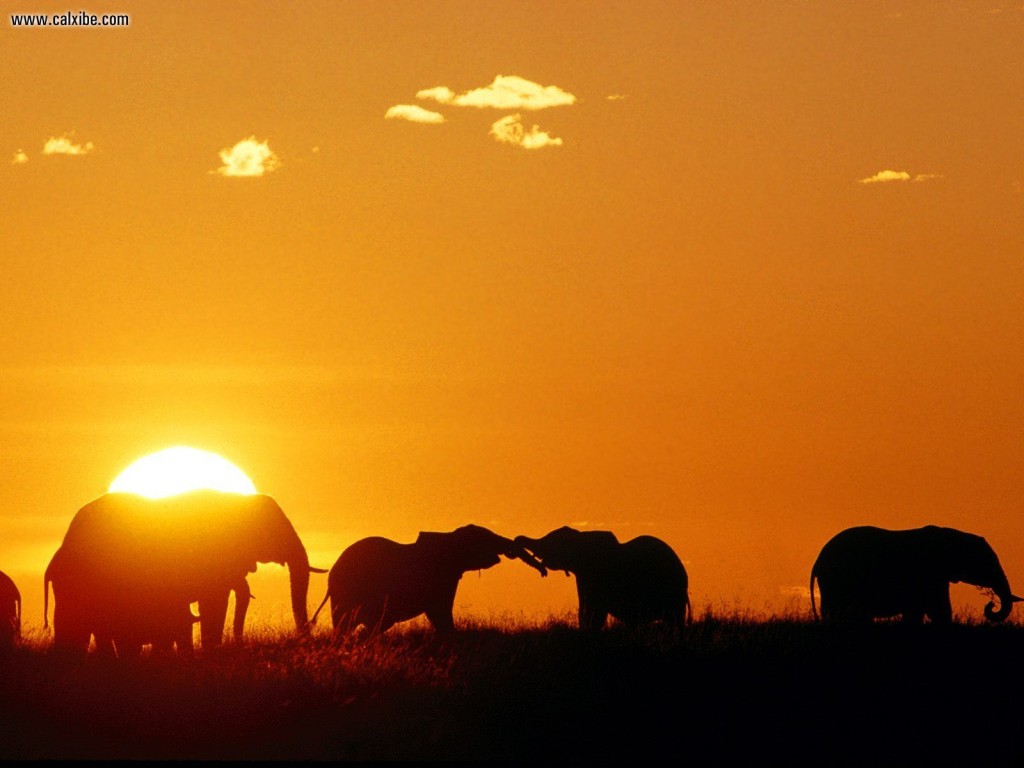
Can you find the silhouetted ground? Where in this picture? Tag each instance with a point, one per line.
(731, 690)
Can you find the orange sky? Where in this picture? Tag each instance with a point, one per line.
(755, 276)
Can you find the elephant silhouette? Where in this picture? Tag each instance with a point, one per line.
(377, 582)
(866, 572)
(163, 621)
(129, 567)
(10, 612)
(639, 581)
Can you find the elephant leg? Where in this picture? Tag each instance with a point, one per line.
(940, 609)
(162, 647)
(339, 615)
(439, 611)
(243, 596)
(345, 617)
(441, 619)
(377, 622)
(184, 643)
(182, 638)
(213, 612)
(675, 617)
(592, 617)
(70, 629)
(130, 648)
(107, 645)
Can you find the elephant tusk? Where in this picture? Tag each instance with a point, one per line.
(1015, 599)
(317, 570)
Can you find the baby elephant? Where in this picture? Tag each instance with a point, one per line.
(377, 582)
(10, 612)
(638, 582)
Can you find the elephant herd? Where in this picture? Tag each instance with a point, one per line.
(130, 568)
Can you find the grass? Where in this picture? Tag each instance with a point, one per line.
(733, 687)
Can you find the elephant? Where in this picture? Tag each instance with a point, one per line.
(377, 582)
(165, 624)
(163, 621)
(130, 566)
(10, 612)
(638, 582)
(866, 572)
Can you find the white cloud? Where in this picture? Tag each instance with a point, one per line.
(617, 97)
(63, 145)
(440, 93)
(510, 130)
(248, 158)
(414, 114)
(886, 176)
(20, 158)
(506, 92)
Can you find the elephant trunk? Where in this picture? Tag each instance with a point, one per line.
(517, 551)
(525, 541)
(1006, 601)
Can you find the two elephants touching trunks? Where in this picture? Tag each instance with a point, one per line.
(864, 573)
(377, 582)
(130, 567)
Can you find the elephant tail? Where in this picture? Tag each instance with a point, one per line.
(322, 604)
(814, 608)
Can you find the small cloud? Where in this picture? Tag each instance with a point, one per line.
(248, 158)
(414, 114)
(20, 158)
(886, 176)
(440, 94)
(63, 145)
(617, 97)
(315, 150)
(506, 92)
(510, 130)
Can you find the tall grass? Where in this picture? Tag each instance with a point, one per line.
(732, 686)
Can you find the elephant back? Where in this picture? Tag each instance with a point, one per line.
(653, 559)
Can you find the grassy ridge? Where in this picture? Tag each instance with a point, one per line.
(731, 689)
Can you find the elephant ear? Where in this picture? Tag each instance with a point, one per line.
(595, 549)
(447, 552)
(432, 548)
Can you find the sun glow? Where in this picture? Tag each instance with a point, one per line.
(180, 469)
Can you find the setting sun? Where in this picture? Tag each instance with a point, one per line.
(180, 469)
